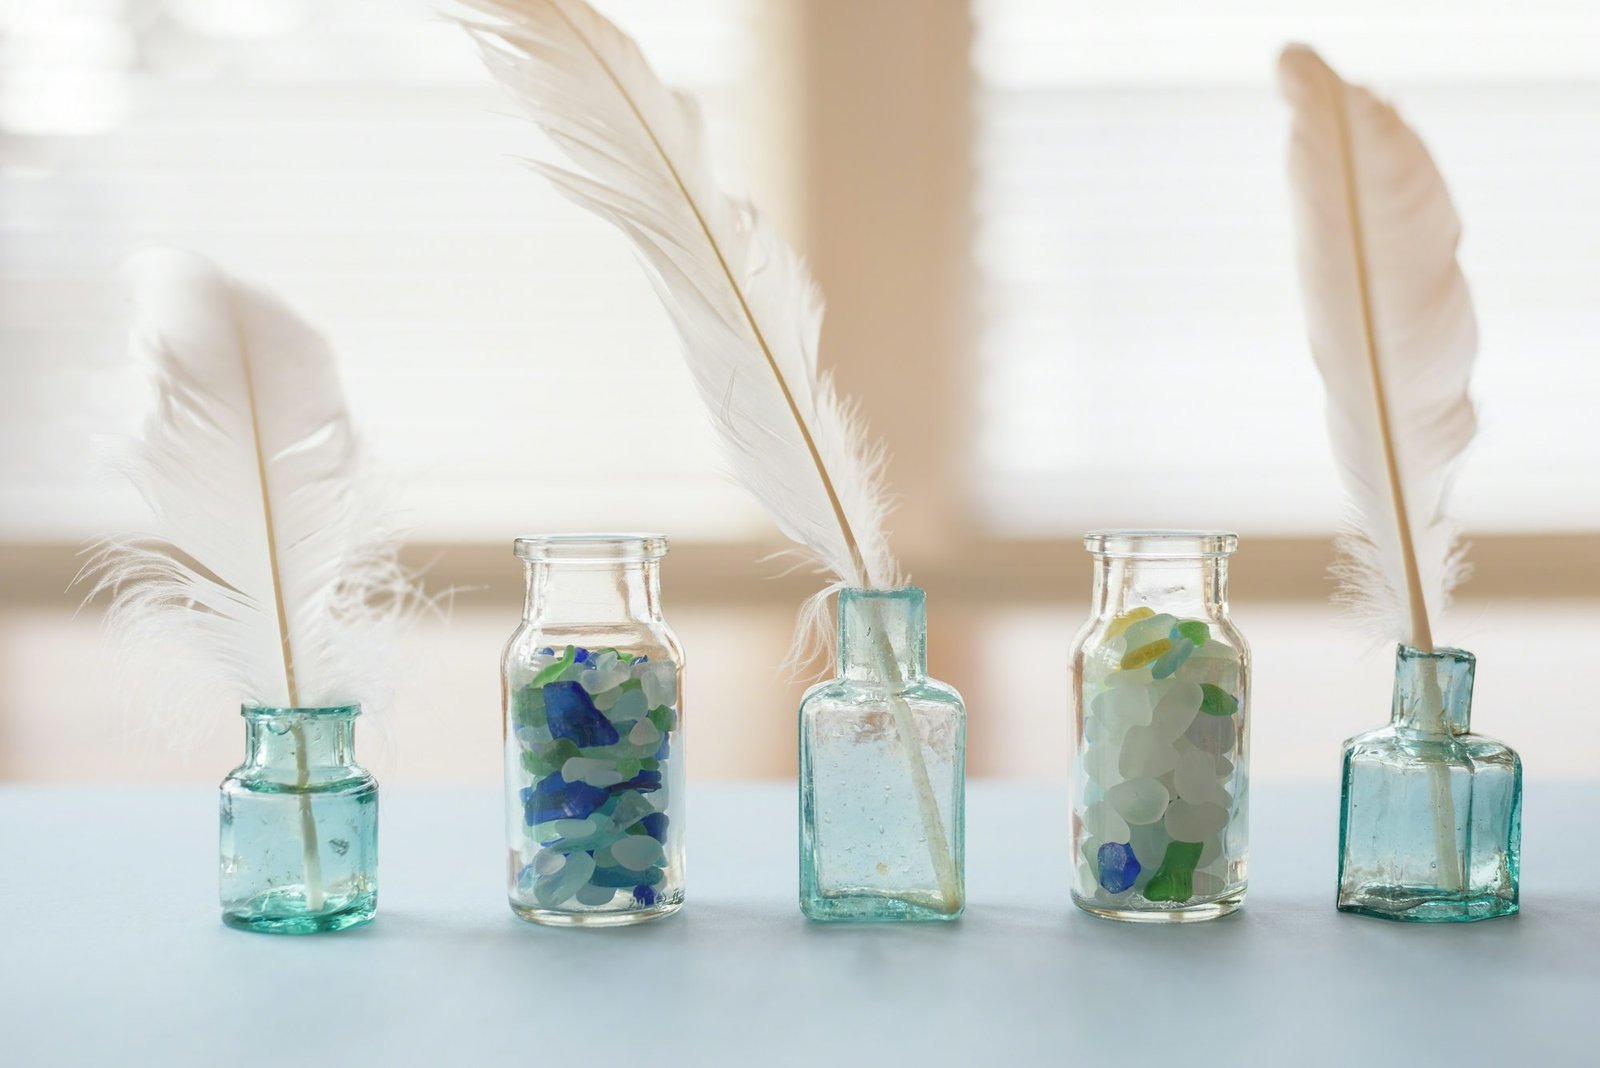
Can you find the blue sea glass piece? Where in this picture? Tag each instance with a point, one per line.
(644, 896)
(571, 714)
(655, 825)
(1118, 866)
(554, 798)
(1172, 659)
(580, 656)
(644, 782)
(661, 750)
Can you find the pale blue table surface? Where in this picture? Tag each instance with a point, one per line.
(111, 953)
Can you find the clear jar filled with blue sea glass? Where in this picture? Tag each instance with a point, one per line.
(299, 825)
(593, 716)
(1160, 802)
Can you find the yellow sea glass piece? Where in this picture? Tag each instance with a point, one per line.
(1128, 619)
(1143, 655)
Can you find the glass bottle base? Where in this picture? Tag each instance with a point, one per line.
(876, 906)
(284, 912)
(563, 918)
(1199, 913)
(1412, 904)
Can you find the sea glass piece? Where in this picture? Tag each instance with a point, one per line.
(1118, 868)
(1194, 630)
(1174, 881)
(1172, 659)
(573, 716)
(1176, 710)
(1217, 702)
(1139, 800)
(1144, 654)
(1146, 754)
(1148, 629)
(1189, 822)
(1128, 619)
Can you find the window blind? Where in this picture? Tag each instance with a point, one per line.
(503, 352)
(1144, 358)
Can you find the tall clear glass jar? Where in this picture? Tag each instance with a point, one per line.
(1160, 828)
(882, 820)
(592, 684)
(299, 825)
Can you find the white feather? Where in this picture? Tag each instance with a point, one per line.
(269, 575)
(1392, 330)
(746, 311)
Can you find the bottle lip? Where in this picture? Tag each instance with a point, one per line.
(1161, 544)
(1441, 653)
(628, 548)
(253, 712)
(874, 591)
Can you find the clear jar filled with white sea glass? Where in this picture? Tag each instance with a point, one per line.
(1160, 827)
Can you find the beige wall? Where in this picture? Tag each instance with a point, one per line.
(1002, 618)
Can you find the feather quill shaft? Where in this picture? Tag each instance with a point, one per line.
(269, 574)
(746, 311)
(1393, 334)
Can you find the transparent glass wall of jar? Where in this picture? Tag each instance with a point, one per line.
(1161, 725)
(593, 718)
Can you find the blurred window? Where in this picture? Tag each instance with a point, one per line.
(1143, 359)
(504, 353)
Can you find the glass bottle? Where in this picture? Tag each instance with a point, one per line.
(1160, 829)
(882, 824)
(299, 825)
(592, 701)
(1430, 822)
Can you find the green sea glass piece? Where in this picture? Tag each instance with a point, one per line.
(552, 671)
(1215, 701)
(527, 706)
(664, 718)
(549, 760)
(1194, 630)
(1174, 881)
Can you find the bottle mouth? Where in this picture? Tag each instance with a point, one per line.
(591, 548)
(1443, 654)
(1161, 544)
(255, 712)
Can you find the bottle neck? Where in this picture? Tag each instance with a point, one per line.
(586, 593)
(284, 742)
(883, 637)
(1184, 586)
(1433, 690)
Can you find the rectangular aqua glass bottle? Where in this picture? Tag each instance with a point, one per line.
(1430, 827)
(882, 819)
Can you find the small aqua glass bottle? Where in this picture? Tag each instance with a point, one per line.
(882, 823)
(299, 825)
(1430, 827)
